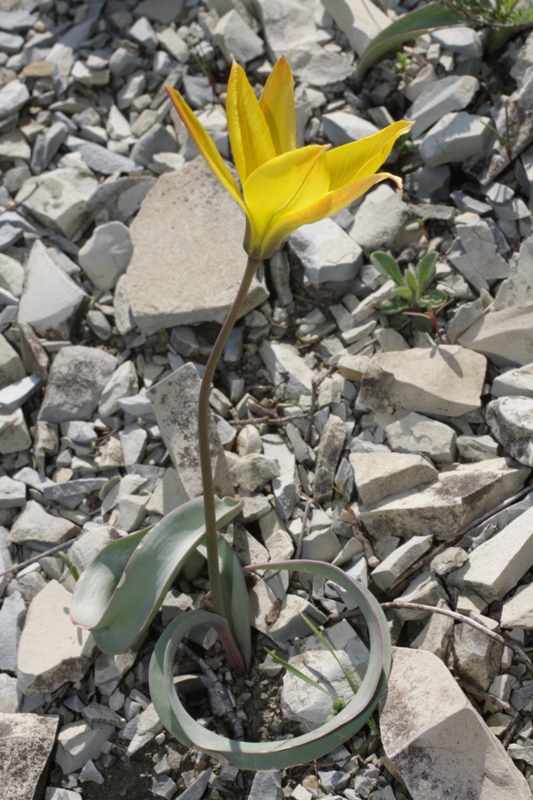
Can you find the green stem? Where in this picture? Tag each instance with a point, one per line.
(203, 435)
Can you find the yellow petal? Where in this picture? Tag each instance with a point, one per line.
(277, 104)
(355, 160)
(324, 207)
(249, 134)
(284, 185)
(205, 144)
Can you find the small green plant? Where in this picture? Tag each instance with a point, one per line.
(402, 62)
(414, 299)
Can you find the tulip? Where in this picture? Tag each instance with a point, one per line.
(283, 186)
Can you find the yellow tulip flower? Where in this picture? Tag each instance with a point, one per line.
(283, 186)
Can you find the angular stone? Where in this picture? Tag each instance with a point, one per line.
(13, 96)
(187, 224)
(172, 42)
(10, 697)
(435, 738)
(360, 20)
(482, 249)
(399, 560)
(13, 145)
(326, 252)
(26, 744)
(514, 382)
(58, 199)
(51, 649)
(251, 472)
(306, 704)
(236, 39)
(477, 448)
(341, 127)
(284, 362)
(447, 94)
(78, 743)
(285, 487)
(461, 493)
(266, 783)
(77, 378)
(100, 158)
(424, 589)
(105, 256)
(175, 402)
(416, 433)
(505, 337)
(510, 420)
(321, 545)
(478, 657)
(156, 140)
(11, 367)
(379, 475)
(379, 218)
(55, 314)
(329, 451)
(518, 611)
(456, 137)
(435, 636)
(12, 616)
(496, 566)
(325, 69)
(288, 28)
(36, 525)
(14, 434)
(445, 380)
(516, 290)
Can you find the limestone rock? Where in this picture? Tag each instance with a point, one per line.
(236, 39)
(187, 261)
(445, 380)
(26, 744)
(326, 252)
(518, 611)
(496, 566)
(447, 94)
(78, 743)
(514, 382)
(105, 256)
(379, 475)
(478, 657)
(454, 138)
(304, 703)
(329, 451)
(11, 367)
(379, 218)
(51, 649)
(77, 378)
(436, 739)
(342, 127)
(175, 402)
(282, 358)
(506, 337)
(399, 560)
(416, 433)
(461, 493)
(360, 20)
(53, 314)
(36, 525)
(510, 420)
(435, 636)
(285, 487)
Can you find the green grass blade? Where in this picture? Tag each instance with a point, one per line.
(320, 636)
(298, 674)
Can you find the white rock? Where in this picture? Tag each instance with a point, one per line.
(379, 475)
(285, 486)
(25, 739)
(235, 38)
(251, 472)
(459, 39)
(341, 127)
(514, 382)
(10, 697)
(283, 359)
(379, 218)
(16, 394)
(510, 420)
(326, 69)
(399, 560)
(328, 454)
(321, 545)
(416, 433)
(326, 252)
(461, 493)
(117, 126)
(496, 566)
(478, 657)
(11, 367)
(516, 290)
(445, 380)
(11, 275)
(58, 199)
(479, 243)
(170, 280)
(446, 742)
(424, 589)
(143, 33)
(289, 29)
(105, 256)
(12, 493)
(456, 137)
(51, 649)
(175, 402)
(12, 616)
(518, 611)
(505, 337)
(447, 94)
(54, 314)
(477, 448)
(79, 742)
(360, 20)
(425, 78)
(304, 703)
(77, 378)
(435, 636)
(13, 96)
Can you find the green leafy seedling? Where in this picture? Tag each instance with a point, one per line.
(414, 298)
(71, 567)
